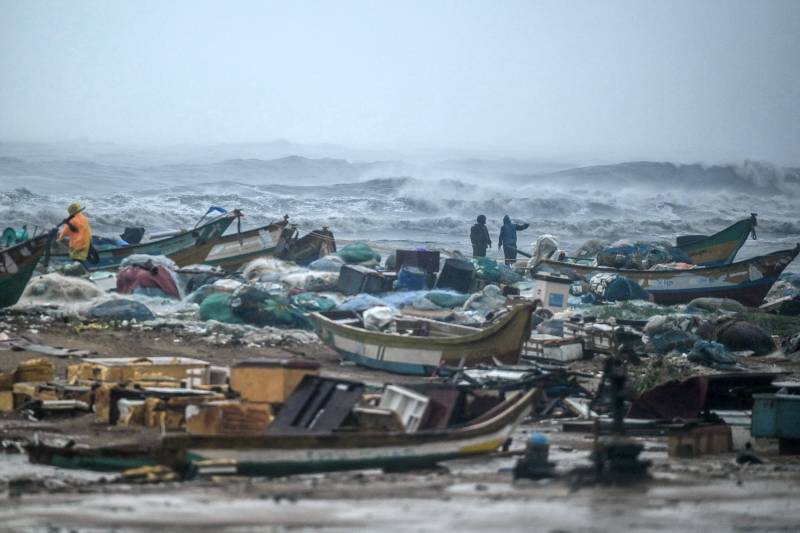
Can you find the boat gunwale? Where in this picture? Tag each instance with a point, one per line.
(39, 249)
(701, 270)
(121, 252)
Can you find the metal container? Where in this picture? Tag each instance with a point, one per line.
(776, 416)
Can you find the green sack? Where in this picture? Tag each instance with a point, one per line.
(487, 269)
(217, 306)
(358, 253)
(258, 307)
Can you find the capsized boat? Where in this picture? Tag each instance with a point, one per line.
(17, 264)
(720, 248)
(421, 345)
(278, 455)
(279, 239)
(747, 281)
(185, 248)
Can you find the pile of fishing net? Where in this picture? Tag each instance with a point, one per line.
(640, 255)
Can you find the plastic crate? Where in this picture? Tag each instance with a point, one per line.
(411, 407)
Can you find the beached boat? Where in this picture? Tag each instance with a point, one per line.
(279, 239)
(185, 248)
(421, 345)
(745, 281)
(17, 264)
(278, 455)
(720, 248)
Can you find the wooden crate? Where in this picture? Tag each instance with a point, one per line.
(120, 369)
(228, 417)
(554, 348)
(270, 380)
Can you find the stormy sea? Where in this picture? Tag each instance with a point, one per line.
(392, 202)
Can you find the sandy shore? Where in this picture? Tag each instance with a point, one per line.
(712, 493)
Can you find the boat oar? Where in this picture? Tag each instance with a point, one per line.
(520, 252)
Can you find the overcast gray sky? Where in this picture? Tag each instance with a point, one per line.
(682, 80)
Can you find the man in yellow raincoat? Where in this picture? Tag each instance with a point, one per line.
(79, 231)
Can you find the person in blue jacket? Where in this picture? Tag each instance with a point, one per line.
(508, 239)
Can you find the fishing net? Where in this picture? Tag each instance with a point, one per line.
(310, 302)
(217, 306)
(122, 309)
(259, 307)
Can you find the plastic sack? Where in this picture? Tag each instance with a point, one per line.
(546, 245)
(615, 287)
(447, 299)
(715, 305)
(144, 259)
(358, 253)
(264, 266)
(739, 335)
(379, 318)
(121, 310)
(329, 263)
(217, 306)
(311, 281)
(489, 299)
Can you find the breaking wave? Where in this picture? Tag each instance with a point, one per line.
(379, 203)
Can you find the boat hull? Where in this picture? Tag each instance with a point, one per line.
(187, 248)
(233, 251)
(747, 282)
(411, 355)
(722, 247)
(279, 455)
(298, 454)
(16, 268)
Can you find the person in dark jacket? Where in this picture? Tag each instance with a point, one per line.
(479, 235)
(508, 239)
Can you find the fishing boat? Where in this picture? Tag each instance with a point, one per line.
(420, 345)
(279, 239)
(279, 455)
(187, 247)
(17, 264)
(747, 281)
(720, 248)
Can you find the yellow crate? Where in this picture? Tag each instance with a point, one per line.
(270, 381)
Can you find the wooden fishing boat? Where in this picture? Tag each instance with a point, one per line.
(279, 239)
(747, 282)
(278, 455)
(421, 345)
(720, 248)
(17, 264)
(185, 248)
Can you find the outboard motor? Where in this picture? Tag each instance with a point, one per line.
(132, 235)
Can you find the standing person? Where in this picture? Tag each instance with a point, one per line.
(479, 235)
(77, 228)
(508, 239)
